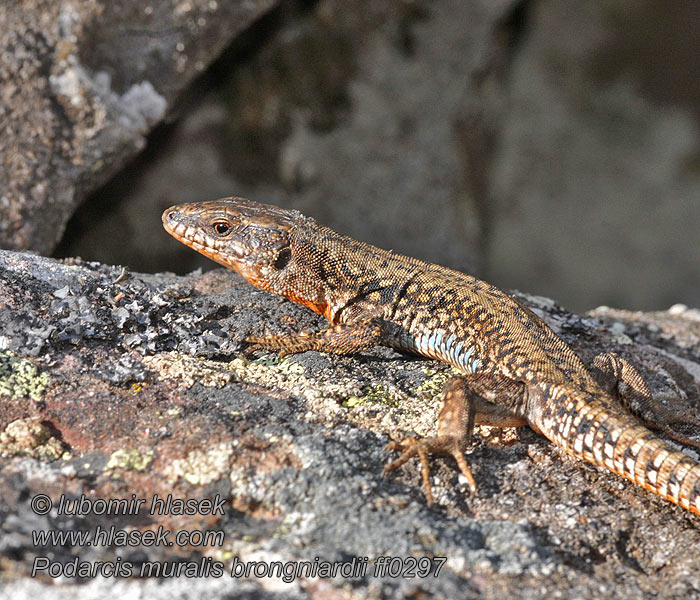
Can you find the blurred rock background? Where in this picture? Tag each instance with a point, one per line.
(547, 146)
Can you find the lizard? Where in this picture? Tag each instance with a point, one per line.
(514, 370)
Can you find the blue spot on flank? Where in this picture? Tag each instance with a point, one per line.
(447, 348)
(465, 359)
(457, 352)
(436, 340)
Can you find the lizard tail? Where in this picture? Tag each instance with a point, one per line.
(599, 432)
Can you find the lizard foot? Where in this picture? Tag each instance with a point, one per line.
(283, 345)
(634, 393)
(337, 339)
(442, 444)
(466, 399)
(662, 418)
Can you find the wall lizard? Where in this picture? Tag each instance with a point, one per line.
(514, 369)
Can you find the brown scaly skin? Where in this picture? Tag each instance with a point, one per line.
(516, 371)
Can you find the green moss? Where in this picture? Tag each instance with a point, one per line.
(372, 395)
(20, 378)
(434, 383)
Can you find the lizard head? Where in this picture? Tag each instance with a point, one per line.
(258, 241)
(252, 239)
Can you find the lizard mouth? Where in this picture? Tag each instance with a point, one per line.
(182, 229)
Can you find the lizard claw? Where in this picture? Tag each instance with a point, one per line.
(254, 341)
(251, 347)
(443, 444)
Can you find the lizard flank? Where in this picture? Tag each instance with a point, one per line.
(514, 369)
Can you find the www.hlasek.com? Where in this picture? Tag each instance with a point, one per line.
(112, 536)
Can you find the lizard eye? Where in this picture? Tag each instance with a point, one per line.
(283, 259)
(221, 227)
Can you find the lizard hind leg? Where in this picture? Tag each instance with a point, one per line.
(634, 393)
(467, 400)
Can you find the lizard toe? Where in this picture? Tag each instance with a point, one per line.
(443, 444)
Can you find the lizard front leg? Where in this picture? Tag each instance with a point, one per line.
(634, 393)
(467, 400)
(338, 339)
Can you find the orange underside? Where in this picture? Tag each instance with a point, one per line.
(321, 309)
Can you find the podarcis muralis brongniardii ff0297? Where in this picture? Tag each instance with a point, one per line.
(515, 369)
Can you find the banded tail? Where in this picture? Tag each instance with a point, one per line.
(600, 432)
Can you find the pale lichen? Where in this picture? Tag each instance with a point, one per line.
(129, 460)
(20, 378)
(271, 373)
(200, 467)
(30, 437)
(188, 370)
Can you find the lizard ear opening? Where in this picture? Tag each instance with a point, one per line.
(283, 258)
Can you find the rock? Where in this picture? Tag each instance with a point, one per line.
(594, 186)
(348, 116)
(142, 390)
(548, 146)
(82, 84)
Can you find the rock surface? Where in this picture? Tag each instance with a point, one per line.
(551, 146)
(348, 116)
(430, 127)
(81, 85)
(123, 386)
(596, 180)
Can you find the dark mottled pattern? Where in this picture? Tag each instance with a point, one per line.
(372, 296)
